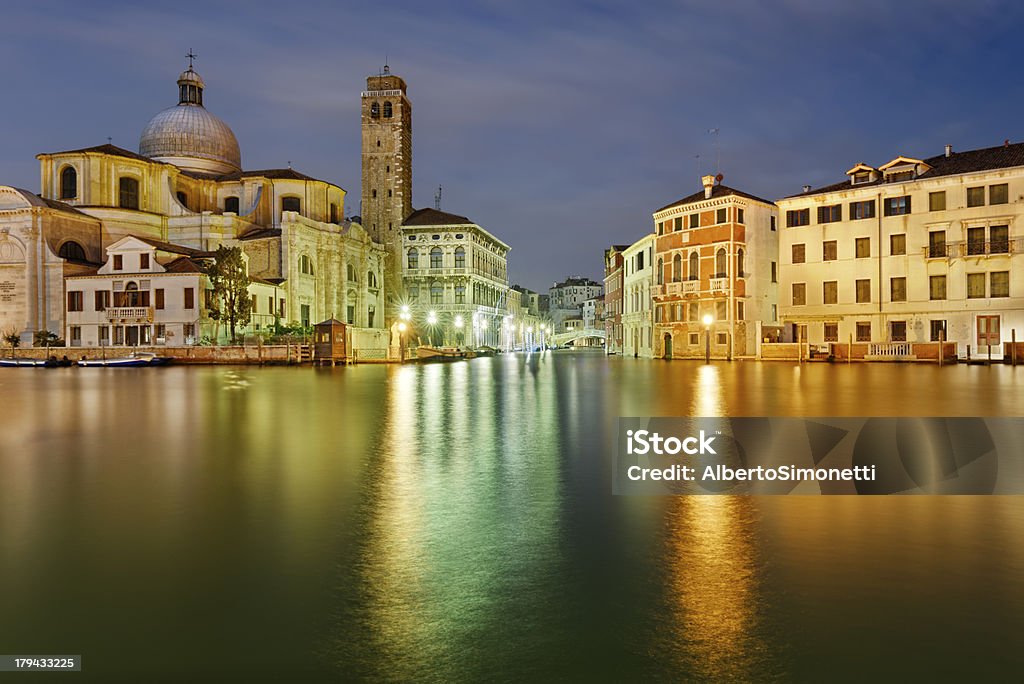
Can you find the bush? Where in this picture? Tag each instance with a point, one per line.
(45, 338)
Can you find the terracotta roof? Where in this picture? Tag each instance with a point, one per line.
(716, 191)
(433, 217)
(183, 265)
(260, 233)
(108, 149)
(970, 161)
(172, 248)
(285, 174)
(61, 206)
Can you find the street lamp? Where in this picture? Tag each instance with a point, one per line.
(708, 320)
(401, 341)
(458, 328)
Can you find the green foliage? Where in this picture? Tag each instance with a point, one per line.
(45, 338)
(13, 338)
(229, 278)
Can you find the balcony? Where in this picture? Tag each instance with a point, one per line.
(975, 248)
(136, 314)
(719, 284)
(691, 287)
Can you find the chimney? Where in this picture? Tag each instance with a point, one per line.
(949, 151)
(807, 188)
(709, 185)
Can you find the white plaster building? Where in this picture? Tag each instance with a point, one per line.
(637, 320)
(457, 271)
(909, 251)
(566, 298)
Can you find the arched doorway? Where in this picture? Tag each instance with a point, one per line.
(668, 345)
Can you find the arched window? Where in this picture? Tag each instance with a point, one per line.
(677, 267)
(436, 293)
(350, 273)
(305, 265)
(661, 271)
(68, 183)
(231, 204)
(720, 263)
(128, 193)
(435, 257)
(694, 266)
(375, 111)
(71, 250)
(739, 263)
(291, 204)
(460, 257)
(414, 258)
(387, 110)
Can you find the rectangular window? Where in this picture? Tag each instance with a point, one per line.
(863, 247)
(772, 222)
(937, 201)
(937, 287)
(775, 272)
(799, 253)
(694, 338)
(798, 217)
(830, 214)
(898, 289)
(102, 299)
(863, 291)
(898, 331)
(679, 223)
(897, 206)
(158, 296)
(775, 312)
(190, 298)
(975, 285)
(831, 332)
(350, 316)
(270, 305)
(253, 304)
(829, 292)
(721, 338)
(280, 311)
(937, 244)
(661, 227)
(143, 262)
(799, 294)
(721, 311)
(304, 315)
(720, 216)
(739, 216)
(188, 330)
(999, 284)
(862, 210)
(863, 331)
(76, 336)
(75, 300)
(694, 311)
(829, 250)
(976, 197)
(937, 328)
(999, 240)
(739, 311)
(975, 241)
(898, 244)
(118, 262)
(998, 194)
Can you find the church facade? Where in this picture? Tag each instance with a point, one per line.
(185, 187)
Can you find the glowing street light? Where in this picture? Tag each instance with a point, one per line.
(432, 318)
(458, 321)
(708, 320)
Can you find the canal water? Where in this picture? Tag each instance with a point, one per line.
(456, 523)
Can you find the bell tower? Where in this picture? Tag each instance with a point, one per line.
(387, 171)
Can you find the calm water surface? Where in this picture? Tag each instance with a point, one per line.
(456, 523)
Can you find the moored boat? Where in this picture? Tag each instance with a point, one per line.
(133, 360)
(23, 363)
(441, 354)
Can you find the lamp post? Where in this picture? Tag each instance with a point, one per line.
(708, 320)
(401, 341)
(432, 322)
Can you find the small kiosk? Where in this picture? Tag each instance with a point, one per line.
(329, 342)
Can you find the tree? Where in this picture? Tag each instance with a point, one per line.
(229, 278)
(13, 338)
(45, 338)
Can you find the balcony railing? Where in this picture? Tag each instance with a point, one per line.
(691, 286)
(719, 284)
(130, 313)
(890, 350)
(970, 248)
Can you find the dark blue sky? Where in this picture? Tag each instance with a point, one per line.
(558, 126)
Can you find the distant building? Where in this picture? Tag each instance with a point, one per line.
(566, 298)
(715, 256)
(638, 276)
(455, 272)
(907, 252)
(613, 298)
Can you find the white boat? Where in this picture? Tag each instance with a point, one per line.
(133, 360)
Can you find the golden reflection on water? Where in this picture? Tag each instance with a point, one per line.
(712, 588)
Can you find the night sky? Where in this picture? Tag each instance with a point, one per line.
(557, 126)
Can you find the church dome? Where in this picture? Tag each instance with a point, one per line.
(189, 136)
